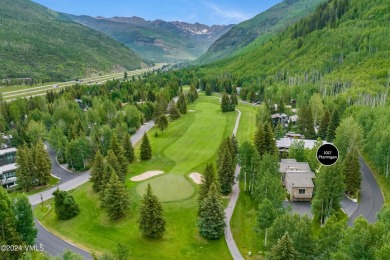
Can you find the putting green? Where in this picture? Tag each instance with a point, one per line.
(168, 187)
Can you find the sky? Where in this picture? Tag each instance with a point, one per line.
(208, 12)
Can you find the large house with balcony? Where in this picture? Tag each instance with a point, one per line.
(8, 167)
(297, 178)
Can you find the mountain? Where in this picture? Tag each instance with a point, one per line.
(158, 40)
(42, 44)
(254, 32)
(341, 48)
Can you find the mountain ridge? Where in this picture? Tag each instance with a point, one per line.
(157, 40)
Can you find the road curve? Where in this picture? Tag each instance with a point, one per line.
(232, 204)
(52, 244)
(371, 198)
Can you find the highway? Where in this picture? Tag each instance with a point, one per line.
(41, 90)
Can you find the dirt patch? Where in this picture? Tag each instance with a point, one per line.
(146, 175)
(196, 177)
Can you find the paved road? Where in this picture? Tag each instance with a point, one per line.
(371, 200)
(54, 245)
(232, 204)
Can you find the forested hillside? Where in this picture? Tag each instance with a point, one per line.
(157, 41)
(254, 32)
(41, 44)
(340, 52)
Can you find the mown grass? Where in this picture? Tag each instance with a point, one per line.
(178, 151)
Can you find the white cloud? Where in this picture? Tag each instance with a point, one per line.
(230, 16)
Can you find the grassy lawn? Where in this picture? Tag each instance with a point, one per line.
(52, 182)
(243, 226)
(185, 146)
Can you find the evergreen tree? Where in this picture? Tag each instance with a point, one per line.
(333, 124)
(24, 173)
(329, 192)
(146, 150)
(25, 225)
(114, 162)
(225, 103)
(42, 164)
(65, 205)
(162, 123)
(173, 110)
(182, 104)
(151, 220)
(116, 199)
(128, 148)
(269, 139)
(323, 128)
(108, 171)
(260, 143)
(235, 144)
(207, 179)
(212, 217)
(284, 249)
(208, 89)
(8, 233)
(226, 171)
(119, 152)
(352, 174)
(97, 171)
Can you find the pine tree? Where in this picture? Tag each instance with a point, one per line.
(119, 152)
(208, 89)
(173, 110)
(324, 124)
(8, 232)
(65, 205)
(226, 171)
(24, 162)
(269, 139)
(25, 225)
(333, 124)
(146, 150)
(212, 217)
(162, 123)
(235, 144)
(116, 199)
(151, 220)
(352, 174)
(260, 140)
(284, 249)
(42, 164)
(225, 103)
(182, 104)
(129, 149)
(97, 171)
(207, 180)
(108, 171)
(114, 162)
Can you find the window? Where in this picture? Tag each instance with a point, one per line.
(302, 191)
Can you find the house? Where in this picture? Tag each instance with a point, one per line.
(284, 143)
(8, 167)
(297, 178)
(280, 118)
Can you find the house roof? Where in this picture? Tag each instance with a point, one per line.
(277, 115)
(8, 150)
(300, 179)
(8, 167)
(286, 142)
(291, 165)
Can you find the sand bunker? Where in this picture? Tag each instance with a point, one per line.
(196, 177)
(191, 110)
(146, 175)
